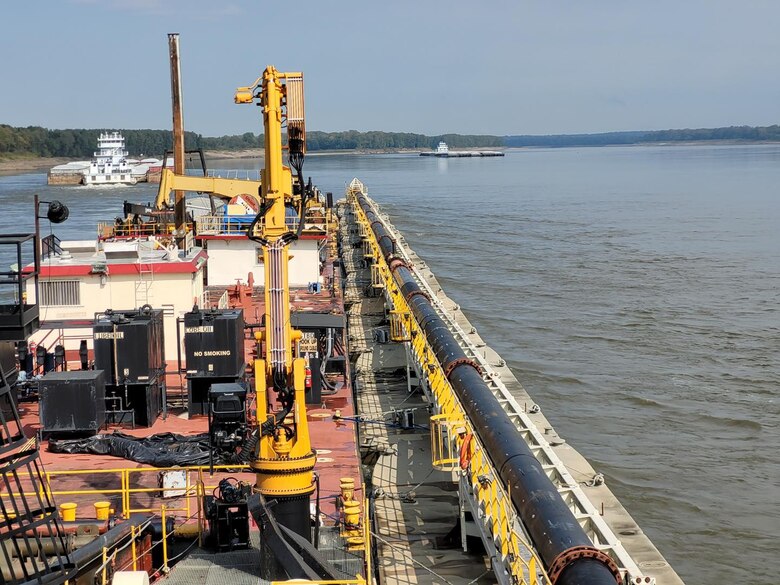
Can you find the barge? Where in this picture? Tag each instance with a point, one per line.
(443, 151)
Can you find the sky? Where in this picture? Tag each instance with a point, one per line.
(424, 66)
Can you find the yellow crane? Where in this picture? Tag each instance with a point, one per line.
(285, 460)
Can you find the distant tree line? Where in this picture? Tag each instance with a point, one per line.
(747, 133)
(34, 140)
(81, 143)
(352, 139)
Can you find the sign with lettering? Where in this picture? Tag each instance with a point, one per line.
(200, 329)
(307, 344)
(110, 335)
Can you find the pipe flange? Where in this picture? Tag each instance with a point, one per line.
(570, 555)
(415, 293)
(395, 263)
(460, 362)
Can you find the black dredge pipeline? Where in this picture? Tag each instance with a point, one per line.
(566, 551)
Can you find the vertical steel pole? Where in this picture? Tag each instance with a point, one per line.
(37, 251)
(178, 129)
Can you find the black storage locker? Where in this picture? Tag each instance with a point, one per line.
(130, 348)
(72, 402)
(214, 343)
(214, 353)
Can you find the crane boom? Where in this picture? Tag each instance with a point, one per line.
(223, 188)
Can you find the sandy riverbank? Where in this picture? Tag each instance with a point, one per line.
(30, 164)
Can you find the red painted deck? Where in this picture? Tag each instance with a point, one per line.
(335, 442)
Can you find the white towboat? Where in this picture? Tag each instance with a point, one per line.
(110, 165)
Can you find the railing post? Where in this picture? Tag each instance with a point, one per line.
(164, 538)
(132, 546)
(201, 490)
(105, 563)
(187, 492)
(125, 493)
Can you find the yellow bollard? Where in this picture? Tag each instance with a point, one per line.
(68, 511)
(347, 488)
(351, 513)
(102, 510)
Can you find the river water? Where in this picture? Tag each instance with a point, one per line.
(634, 292)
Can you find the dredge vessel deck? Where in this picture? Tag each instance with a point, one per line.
(422, 461)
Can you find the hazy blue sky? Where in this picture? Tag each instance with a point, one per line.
(468, 66)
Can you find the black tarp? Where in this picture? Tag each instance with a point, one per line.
(161, 450)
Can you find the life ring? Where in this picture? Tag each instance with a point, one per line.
(465, 452)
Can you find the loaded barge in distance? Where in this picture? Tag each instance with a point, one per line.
(443, 151)
(332, 417)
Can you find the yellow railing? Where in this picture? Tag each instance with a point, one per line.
(108, 229)
(400, 325)
(123, 484)
(443, 455)
(109, 555)
(127, 485)
(499, 515)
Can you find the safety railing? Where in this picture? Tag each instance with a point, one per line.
(50, 246)
(400, 325)
(376, 277)
(126, 485)
(129, 230)
(443, 454)
(240, 174)
(130, 487)
(222, 303)
(103, 487)
(221, 224)
(112, 561)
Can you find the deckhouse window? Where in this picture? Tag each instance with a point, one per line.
(56, 293)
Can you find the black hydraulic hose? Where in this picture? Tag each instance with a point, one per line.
(247, 450)
(270, 424)
(564, 548)
(304, 195)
